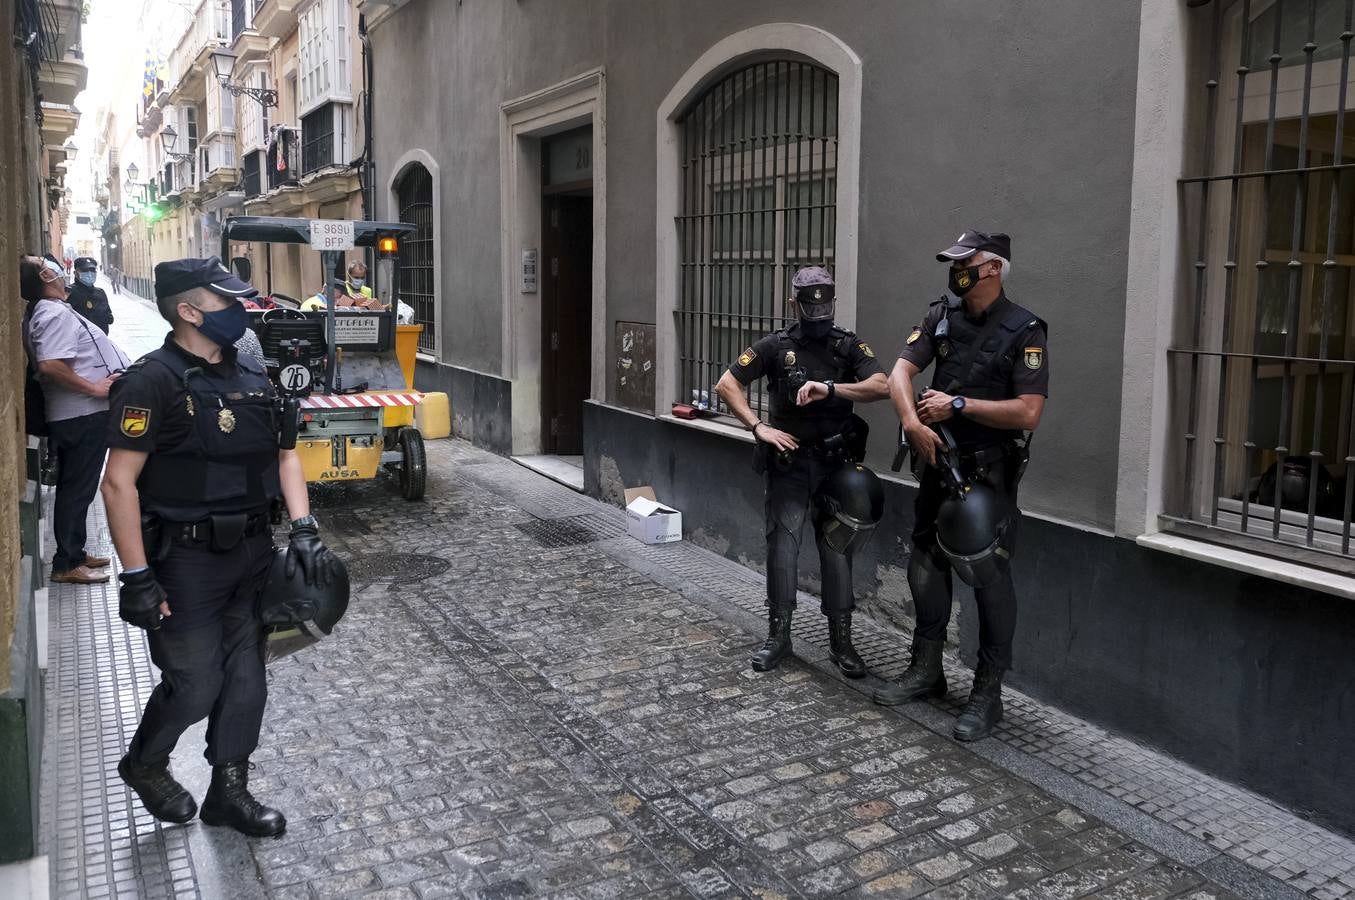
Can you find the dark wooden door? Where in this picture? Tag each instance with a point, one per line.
(566, 320)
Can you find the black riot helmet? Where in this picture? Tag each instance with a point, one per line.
(847, 506)
(975, 530)
(295, 614)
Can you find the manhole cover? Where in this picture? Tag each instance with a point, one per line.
(399, 567)
(567, 532)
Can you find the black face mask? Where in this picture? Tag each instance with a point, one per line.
(962, 281)
(818, 329)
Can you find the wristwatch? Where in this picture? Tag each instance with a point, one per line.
(304, 522)
(957, 404)
(832, 390)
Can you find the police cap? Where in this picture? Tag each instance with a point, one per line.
(971, 242)
(85, 264)
(180, 275)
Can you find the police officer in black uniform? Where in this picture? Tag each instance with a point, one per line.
(86, 299)
(814, 371)
(989, 388)
(195, 464)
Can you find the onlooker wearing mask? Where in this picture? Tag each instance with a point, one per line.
(86, 299)
(76, 364)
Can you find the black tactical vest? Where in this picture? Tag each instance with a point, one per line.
(800, 359)
(229, 462)
(975, 359)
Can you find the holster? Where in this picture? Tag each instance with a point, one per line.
(155, 538)
(227, 530)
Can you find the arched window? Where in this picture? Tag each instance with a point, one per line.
(415, 196)
(759, 154)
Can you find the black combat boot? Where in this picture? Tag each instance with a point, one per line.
(924, 676)
(229, 802)
(162, 796)
(840, 648)
(984, 709)
(777, 645)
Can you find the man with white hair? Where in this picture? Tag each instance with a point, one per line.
(991, 381)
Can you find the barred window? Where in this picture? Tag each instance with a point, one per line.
(414, 194)
(758, 200)
(1266, 374)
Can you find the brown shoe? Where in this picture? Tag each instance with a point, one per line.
(96, 562)
(79, 575)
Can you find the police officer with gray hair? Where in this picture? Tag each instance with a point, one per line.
(970, 431)
(815, 371)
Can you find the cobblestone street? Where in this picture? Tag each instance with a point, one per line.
(524, 701)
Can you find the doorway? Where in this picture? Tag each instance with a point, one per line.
(566, 291)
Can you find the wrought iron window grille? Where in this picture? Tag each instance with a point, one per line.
(1264, 442)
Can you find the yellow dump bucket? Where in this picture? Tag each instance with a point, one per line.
(406, 345)
(433, 415)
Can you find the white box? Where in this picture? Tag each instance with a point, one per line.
(650, 521)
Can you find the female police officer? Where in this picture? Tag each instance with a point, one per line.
(814, 372)
(194, 467)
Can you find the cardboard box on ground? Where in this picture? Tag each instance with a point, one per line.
(649, 520)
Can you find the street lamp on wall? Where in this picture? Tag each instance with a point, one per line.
(223, 64)
(169, 137)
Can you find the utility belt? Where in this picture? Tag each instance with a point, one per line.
(1009, 458)
(219, 532)
(848, 445)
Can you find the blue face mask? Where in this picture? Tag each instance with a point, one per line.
(357, 283)
(226, 326)
(87, 278)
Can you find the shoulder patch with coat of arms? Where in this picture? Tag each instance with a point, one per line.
(746, 357)
(916, 333)
(865, 348)
(1034, 357)
(135, 421)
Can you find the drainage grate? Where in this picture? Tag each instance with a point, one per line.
(566, 532)
(396, 567)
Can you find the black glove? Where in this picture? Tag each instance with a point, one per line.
(305, 549)
(139, 599)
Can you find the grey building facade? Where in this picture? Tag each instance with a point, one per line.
(613, 195)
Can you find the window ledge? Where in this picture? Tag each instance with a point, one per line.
(711, 426)
(1251, 563)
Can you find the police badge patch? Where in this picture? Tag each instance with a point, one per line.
(790, 357)
(1034, 357)
(917, 333)
(746, 357)
(943, 349)
(865, 348)
(135, 420)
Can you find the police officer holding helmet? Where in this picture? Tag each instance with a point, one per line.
(989, 389)
(197, 459)
(815, 371)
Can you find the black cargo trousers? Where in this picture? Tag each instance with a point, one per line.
(790, 490)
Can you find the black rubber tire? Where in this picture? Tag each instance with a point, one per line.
(413, 464)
